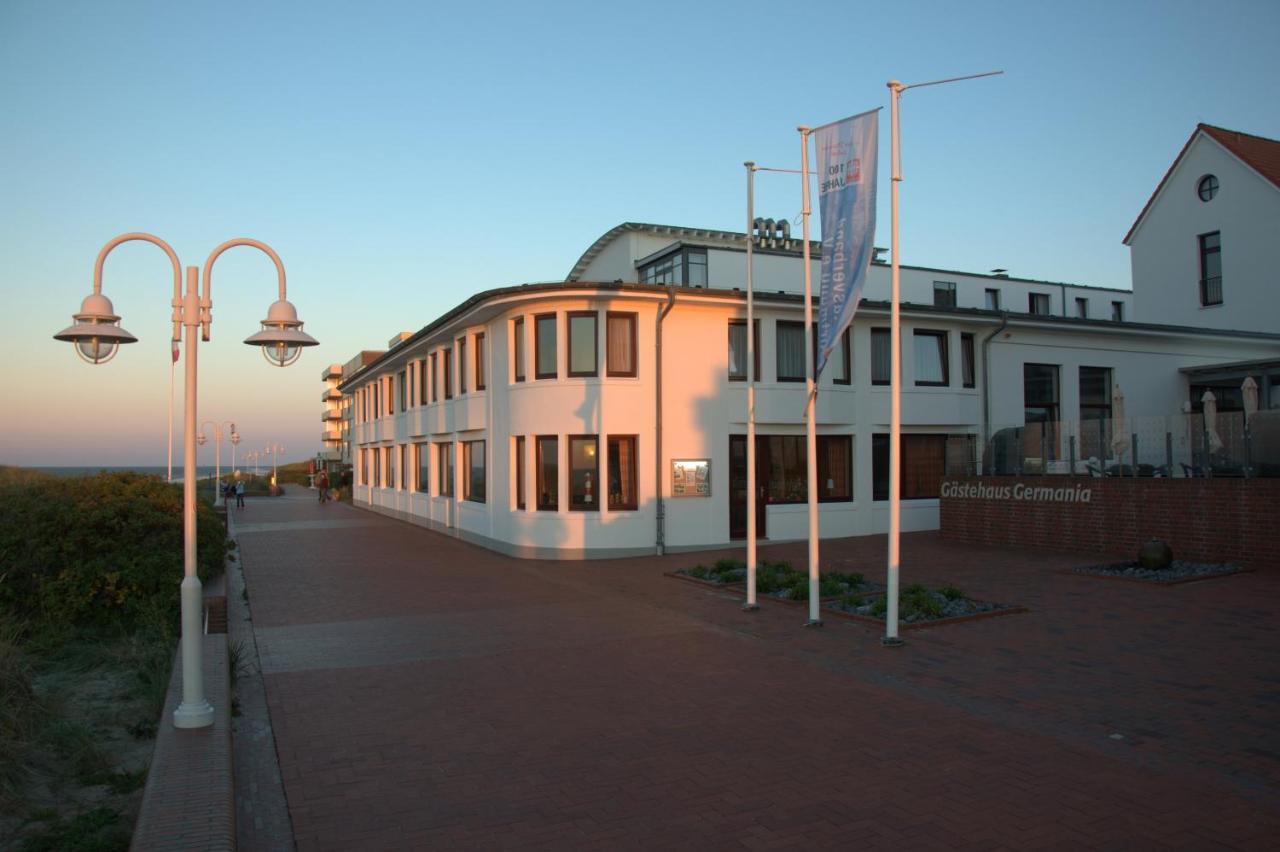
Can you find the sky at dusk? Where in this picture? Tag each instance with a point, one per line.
(403, 156)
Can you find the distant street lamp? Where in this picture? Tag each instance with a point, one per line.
(235, 439)
(217, 453)
(97, 336)
(274, 450)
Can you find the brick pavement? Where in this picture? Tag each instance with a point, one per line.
(426, 693)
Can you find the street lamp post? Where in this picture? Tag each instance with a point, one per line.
(235, 439)
(217, 454)
(274, 450)
(97, 336)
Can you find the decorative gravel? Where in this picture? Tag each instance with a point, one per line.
(1177, 570)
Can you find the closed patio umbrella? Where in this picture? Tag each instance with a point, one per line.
(1119, 435)
(1211, 422)
(1249, 390)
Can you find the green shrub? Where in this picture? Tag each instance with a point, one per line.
(20, 713)
(699, 571)
(96, 550)
(951, 593)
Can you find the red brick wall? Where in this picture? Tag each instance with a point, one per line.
(1203, 520)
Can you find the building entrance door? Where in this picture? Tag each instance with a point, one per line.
(738, 487)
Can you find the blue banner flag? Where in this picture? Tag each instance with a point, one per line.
(847, 204)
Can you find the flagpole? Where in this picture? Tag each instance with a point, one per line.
(751, 604)
(891, 637)
(811, 439)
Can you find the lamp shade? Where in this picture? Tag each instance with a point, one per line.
(96, 333)
(281, 338)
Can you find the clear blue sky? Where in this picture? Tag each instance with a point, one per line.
(401, 156)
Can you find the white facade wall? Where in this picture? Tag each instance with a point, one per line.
(1165, 252)
(701, 408)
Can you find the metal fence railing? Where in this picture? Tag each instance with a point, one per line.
(1178, 445)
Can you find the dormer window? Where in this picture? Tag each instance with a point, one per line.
(686, 266)
(1207, 188)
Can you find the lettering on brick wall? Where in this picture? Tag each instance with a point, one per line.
(1019, 491)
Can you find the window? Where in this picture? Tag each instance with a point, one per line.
(922, 463)
(448, 372)
(435, 388)
(544, 333)
(622, 473)
(389, 459)
(993, 299)
(519, 466)
(1207, 188)
(583, 339)
(462, 365)
(683, 266)
(1082, 308)
(422, 453)
(364, 467)
(931, 358)
(1095, 412)
(387, 394)
(1117, 311)
(517, 346)
(835, 468)
(738, 350)
(404, 466)
(620, 344)
(1038, 303)
(375, 461)
(1040, 396)
(1210, 268)
(480, 383)
(967, 371)
(402, 386)
(548, 462)
(881, 356)
(584, 473)
(786, 460)
(473, 470)
(444, 468)
(843, 369)
(944, 294)
(789, 347)
(423, 381)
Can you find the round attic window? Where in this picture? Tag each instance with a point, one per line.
(1207, 188)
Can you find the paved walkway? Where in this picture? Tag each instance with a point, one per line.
(428, 694)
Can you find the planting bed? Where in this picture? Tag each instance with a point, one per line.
(848, 595)
(1177, 572)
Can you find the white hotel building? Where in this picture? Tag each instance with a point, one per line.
(605, 415)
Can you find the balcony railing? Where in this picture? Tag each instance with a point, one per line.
(1211, 291)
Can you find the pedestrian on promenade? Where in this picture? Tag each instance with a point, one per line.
(240, 494)
(322, 485)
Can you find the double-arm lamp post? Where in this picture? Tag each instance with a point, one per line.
(217, 453)
(97, 336)
(275, 450)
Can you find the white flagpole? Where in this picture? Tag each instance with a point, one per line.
(895, 390)
(811, 440)
(891, 637)
(751, 604)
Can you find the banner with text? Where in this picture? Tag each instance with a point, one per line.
(847, 204)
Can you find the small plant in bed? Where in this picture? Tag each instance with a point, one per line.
(778, 579)
(916, 603)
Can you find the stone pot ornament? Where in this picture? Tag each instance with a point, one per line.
(1155, 555)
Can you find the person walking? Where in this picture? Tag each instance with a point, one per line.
(240, 494)
(322, 485)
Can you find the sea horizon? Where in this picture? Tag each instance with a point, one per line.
(156, 470)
